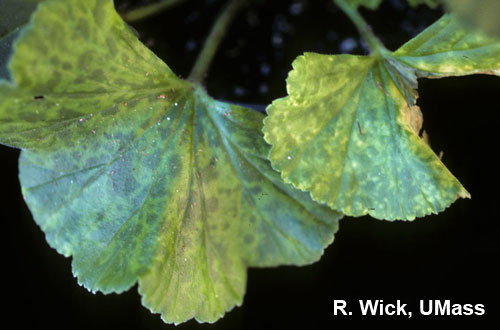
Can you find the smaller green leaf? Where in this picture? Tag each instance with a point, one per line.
(348, 131)
(360, 152)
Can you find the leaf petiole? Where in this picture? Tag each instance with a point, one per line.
(366, 32)
(146, 11)
(214, 39)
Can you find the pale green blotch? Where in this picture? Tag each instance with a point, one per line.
(142, 177)
(348, 131)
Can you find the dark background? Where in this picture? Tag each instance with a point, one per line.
(448, 256)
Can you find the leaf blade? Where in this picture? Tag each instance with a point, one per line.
(449, 48)
(148, 178)
(362, 127)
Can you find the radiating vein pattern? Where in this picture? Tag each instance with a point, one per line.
(141, 176)
(349, 129)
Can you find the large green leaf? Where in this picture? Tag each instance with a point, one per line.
(142, 177)
(348, 131)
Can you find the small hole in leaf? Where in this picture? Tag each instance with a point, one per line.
(38, 97)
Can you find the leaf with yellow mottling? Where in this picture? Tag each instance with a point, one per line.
(348, 131)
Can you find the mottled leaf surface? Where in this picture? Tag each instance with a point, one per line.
(185, 204)
(348, 131)
(142, 177)
(72, 78)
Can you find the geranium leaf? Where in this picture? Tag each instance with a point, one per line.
(142, 177)
(186, 204)
(348, 131)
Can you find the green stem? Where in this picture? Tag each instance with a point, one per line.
(364, 29)
(214, 39)
(149, 10)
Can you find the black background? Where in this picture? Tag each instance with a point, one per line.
(448, 256)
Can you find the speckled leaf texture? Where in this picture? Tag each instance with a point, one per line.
(142, 177)
(348, 131)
